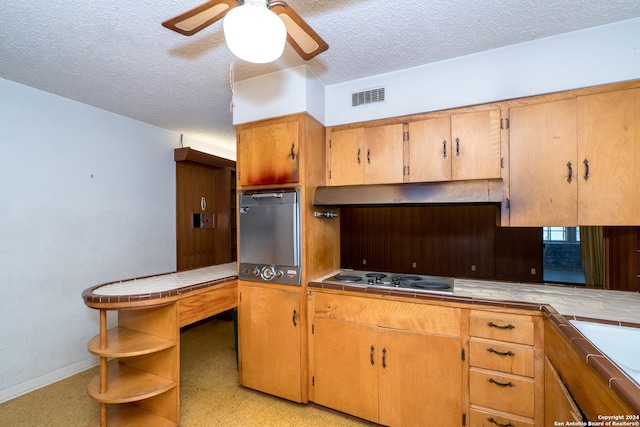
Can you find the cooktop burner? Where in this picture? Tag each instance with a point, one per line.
(425, 284)
(413, 282)
(409, 278)
(348, 278)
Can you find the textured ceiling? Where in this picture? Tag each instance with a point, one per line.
(115, 55)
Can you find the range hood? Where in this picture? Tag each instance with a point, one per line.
(480, 191)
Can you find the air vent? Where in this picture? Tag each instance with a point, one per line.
(367, 97)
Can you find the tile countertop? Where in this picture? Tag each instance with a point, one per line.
(569, 301)
(161, 286)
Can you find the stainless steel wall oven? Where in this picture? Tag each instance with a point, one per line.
(269, 234)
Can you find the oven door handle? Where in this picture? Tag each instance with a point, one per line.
(266, 195)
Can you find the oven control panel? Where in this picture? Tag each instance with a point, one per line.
(285, 275)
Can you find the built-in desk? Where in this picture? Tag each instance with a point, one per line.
(141, 385)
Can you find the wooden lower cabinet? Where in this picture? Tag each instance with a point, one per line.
(558, 403)
(390, 362)
(269, 339)
(345, 378)
(483, 418)
(420, 379)
(506, 370)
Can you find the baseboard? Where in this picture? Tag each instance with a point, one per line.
(47, 379)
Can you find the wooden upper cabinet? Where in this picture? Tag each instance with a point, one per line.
(269, 153)
(367, 155)
(543, 176)
(384, 155)
(430, 150)
(457, 147)
(476, 145)
(609, 155)
(346, 165)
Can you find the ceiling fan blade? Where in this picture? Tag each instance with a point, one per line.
(299, 34)
(194, 20)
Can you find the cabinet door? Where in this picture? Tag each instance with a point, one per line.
(269, 340)
(558, 403)
(269, 154)
(476, 145)
(430, 150)
(346, 363)
(347, 158)
(195, 194)
(384, 154)
(420, 379)
(543, 169)
(609, 140)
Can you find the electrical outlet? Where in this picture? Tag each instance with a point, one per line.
(364, 262)
(414, 265)
(533, 271)
(473, 268)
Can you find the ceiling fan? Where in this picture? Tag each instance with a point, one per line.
(299, 34)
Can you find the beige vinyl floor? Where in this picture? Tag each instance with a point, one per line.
(210, 393)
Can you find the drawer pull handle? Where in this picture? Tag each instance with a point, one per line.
(509, 384)
(492, 421)
(493, 325)
(501, 353)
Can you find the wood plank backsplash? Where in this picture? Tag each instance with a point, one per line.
(450, 240)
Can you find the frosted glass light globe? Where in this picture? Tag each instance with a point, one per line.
(254, 33)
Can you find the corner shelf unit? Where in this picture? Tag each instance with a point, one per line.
(138, 383)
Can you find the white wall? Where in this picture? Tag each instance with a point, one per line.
(86, 197)
(600, 55)
(282, 93)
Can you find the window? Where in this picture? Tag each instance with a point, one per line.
(561, 255)
(554, 234)
(561, 234)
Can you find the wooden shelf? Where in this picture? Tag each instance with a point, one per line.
(126, 384)
(131, 416)
(124, 342)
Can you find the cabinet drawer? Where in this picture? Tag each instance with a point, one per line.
(499, 327)
(480, 418)
(502, 392)
(498, 356)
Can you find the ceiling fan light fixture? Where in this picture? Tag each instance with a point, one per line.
(254, 33)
